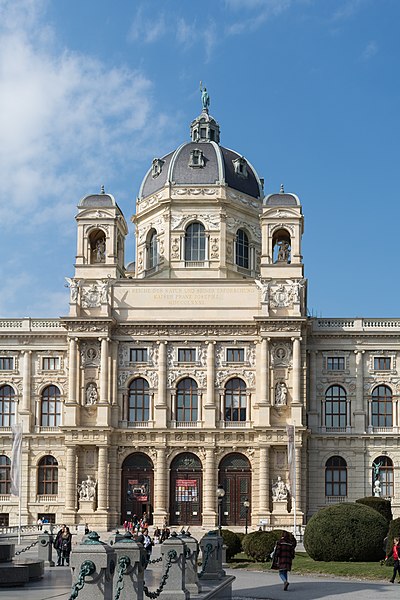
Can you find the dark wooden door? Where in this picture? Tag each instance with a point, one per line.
(185, 498)
(137, 484)
(237, 490)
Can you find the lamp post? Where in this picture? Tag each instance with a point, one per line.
(246, 505)
(220, 495)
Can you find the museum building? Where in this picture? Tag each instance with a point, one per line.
(178, 375)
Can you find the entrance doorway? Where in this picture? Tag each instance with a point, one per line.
(186, 490)
(137, 487)
(235, 478)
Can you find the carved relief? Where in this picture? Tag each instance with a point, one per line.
(211, 221)
(214, 248)
(199, 376)
(90, 353)
(175, 248)
(193, 191)
(281, 354)
(224, 374)
(96, 294)
(233, 224)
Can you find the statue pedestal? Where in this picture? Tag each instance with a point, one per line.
(280, 515)
(87, 507)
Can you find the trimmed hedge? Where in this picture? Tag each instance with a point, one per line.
(232, 543)
(383, 506)
(346, 532)
(259, 544)
(394, 531)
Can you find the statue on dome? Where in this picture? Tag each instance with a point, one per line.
(205, 98)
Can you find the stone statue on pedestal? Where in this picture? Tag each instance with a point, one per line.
(279, 490)
(87, 489)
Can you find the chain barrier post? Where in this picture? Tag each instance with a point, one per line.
(211, 550)
(174, 587)
(192, 552)
(130, 566)
(98, 584)
(45, 548)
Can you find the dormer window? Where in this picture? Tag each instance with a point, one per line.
(196, 158)
(240, 166)
(156, 167)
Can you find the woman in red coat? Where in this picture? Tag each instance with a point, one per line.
(283, 557)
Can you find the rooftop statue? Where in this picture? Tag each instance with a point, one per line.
(205, 98)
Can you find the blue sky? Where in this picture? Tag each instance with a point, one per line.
(307, 90)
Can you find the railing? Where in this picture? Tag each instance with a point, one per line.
(31, 324)
(5, 497)
(334, 429)
(185, 424)
(386, 430)
(335, 499)
(196, 264)
(135, 424)
(47, 498)
(355, 324)
(40, 429)
(235, 424)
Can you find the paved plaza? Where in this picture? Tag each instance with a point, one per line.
(249, 585)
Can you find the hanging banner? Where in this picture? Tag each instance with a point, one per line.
(291, 450)
(186, 490)
(15, 474)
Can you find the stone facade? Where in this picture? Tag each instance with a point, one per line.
(182, 371)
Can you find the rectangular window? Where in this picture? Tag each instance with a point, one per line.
(138, 355)
(4, 520)
(51, 363)
(187, 355)
(335, 363)
(382, 363)
(235, 355)
(6, 363)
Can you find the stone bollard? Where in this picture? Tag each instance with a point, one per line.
(192, 553)
(131, 559)
(174, 563)
(45, 548)
(211, 549)
(93, 566)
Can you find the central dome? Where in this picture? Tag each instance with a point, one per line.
(202, 161)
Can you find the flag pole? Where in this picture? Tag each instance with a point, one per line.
(295, 481)
(19, 511)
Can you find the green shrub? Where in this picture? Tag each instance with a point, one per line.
(346, 532)
(232, 543)
(383, 506)
(259, 544)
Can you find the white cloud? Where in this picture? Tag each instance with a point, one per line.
(64, 117)
(147, 29)
(347, 9)
(370, 50)
(263, 11)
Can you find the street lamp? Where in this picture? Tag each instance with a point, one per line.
(246, 505)
(220, 495)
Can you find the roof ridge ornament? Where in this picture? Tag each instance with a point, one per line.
(282, 190)
(205, 98)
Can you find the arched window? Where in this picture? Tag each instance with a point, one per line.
(7, 406)
(138, 400)
(50, 407)
(186, 400)
(235, 400)
(335, 407)
(5, 475)
(382, 407)
(152, 250)
(242, 249)
(384, 465)
(336, 476)
(48, 476)
(195, 242)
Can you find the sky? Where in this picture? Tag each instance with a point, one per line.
(307, 90)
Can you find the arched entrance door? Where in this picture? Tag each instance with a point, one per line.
(186, 490)
(235, 478)
(137, 486)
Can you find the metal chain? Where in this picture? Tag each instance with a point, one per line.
(27, 548)
(123, 564)
(153, 562)
(172, 554)
(87, 568)
(209, 550)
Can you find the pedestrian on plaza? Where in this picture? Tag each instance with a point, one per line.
(395, 552)
(58, 544)
(66, 546)
(283, 556)
(39, 524)
(147, 543)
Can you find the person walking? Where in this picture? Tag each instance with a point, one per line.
(283, 556)
(395, 552)
(58, 545)
(66, 546)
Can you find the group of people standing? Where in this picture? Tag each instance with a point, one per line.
(63, 546)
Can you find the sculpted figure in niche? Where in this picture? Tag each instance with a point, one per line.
(283, 251)
(377, 488)
(280, 394)
(100, 250)
(87, 489)
(91, 394)
(279, 490)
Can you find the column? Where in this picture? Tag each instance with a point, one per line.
(103, 371)
(114, 387)
(263, 478)
(296, 371)
(360, 411)
(162, 374)
(70, 480)
(209, 486)
(313, 420)
(263, 371)
(210, 373)
(72, 371)
(102, 478)
(160, 487)
(26, 384)
(299, 451)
